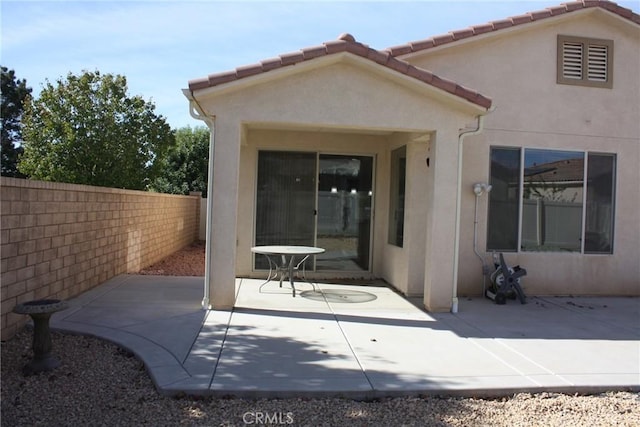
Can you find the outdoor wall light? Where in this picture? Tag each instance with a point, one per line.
(334, 189)
(354, 191)
(480, 188)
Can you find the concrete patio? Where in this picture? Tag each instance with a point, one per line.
(359, 341)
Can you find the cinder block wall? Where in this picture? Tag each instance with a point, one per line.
(59, 240)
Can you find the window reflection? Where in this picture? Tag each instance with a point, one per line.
(552, 196)
(599, 210)
(552, 201)
(504, 199)
(396, 202)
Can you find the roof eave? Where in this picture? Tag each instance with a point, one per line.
(414, 77)
(500, 28)
(223, 83)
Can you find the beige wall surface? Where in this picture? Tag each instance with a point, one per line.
(517, 69)
(345, 105)
(324, 142)
(59, 240)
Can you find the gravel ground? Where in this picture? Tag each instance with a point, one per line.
(100, 384)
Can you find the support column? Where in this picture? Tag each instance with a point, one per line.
(441, 220)
(416, 207)
(224, 167)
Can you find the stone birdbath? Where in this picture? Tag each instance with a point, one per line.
(40, 311)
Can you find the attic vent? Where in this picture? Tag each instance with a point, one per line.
(597, 63)
(583, 61)
(572, 61)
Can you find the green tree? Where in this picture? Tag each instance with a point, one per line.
(14, 94)
(87, 130)
(185, 166)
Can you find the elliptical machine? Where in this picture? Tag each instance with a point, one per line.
(505, 282)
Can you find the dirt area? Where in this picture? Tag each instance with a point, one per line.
(186, 262)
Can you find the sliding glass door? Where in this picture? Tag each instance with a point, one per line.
(344, 212)
(313, 199)
(286, 199)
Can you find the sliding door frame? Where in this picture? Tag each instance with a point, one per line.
(317, 154)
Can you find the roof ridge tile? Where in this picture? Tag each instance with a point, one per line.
(445, 84)
(501, 24)
(358, 49)
(292, 58)
(220, 78)
(248, 70)
(482, 28)
(335, 46)
(379, 56)
(521, 19)
(540, 14)
(397, 64)
(271, 64)
(443, 38)
(314, 52)
(420, 74)
(463, 33)
(424, 44)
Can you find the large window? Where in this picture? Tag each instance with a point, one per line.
(396, 202)
(551, 200)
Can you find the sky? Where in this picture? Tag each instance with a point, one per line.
(159, 45)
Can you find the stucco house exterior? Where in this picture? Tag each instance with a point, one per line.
(374, 155)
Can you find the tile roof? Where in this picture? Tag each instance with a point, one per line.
(345, 43)
(388, 57)
(558, 171)
(513, 21)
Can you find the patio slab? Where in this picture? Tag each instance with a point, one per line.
(359, 341)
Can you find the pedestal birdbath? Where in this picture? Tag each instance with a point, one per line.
(40, 311)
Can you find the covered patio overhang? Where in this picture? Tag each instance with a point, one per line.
(346, 99)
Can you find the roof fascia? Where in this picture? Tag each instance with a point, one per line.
(347, 58)
(246, 82)
(505, 32)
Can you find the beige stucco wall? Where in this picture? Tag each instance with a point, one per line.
(518, 71)
(324, 142)
(342, 105)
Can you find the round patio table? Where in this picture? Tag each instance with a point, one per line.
(291, 257)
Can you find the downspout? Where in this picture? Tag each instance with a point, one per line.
(197, 112)
(456, 242)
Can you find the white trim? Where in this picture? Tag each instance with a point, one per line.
(585, 167)
(520, 199)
